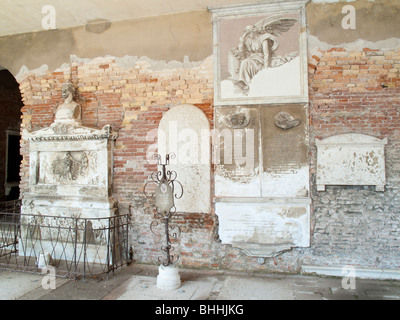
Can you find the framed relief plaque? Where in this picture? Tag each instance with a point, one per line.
(260, 54)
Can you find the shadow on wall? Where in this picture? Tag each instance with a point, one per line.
(10, 158)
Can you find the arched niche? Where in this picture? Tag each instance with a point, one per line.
(185, 131)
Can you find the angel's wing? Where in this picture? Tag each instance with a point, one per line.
(275, 25)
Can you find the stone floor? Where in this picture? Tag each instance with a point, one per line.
(138, 282)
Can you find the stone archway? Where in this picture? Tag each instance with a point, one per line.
(10, 157)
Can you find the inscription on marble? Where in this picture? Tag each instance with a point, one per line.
(284, 148)
(236, 148)
(264, 227)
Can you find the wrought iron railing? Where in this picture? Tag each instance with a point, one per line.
(13, 206)
(74, 247)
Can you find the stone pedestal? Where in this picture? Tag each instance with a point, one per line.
(168, 277)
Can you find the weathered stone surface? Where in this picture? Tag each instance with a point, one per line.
(184, 131)
(286, 121)
(70, 176)
(351, 159)
(236, 152)
(266, 228)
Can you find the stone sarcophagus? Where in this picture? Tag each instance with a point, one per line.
(70, 172)
(70, 177)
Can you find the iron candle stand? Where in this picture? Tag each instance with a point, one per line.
(165, 206)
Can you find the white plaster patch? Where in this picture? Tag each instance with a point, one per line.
(25, 72)
(127, 62)
(388, 44)
(64, 67)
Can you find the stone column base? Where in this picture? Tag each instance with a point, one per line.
(168, 278)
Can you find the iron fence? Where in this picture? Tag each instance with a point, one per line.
(73, 246)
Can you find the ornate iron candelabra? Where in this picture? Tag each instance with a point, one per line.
(165, 207)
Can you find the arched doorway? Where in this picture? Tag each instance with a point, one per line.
(10, 120)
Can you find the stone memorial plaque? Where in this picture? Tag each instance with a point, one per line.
(236, 151)
(285, 151)
(264, 229)
(260, 53)
(351, 159)
(184, 130)
(284, 144)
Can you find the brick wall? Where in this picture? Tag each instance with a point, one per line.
(350, 91)
(356, 92)
(133, 100)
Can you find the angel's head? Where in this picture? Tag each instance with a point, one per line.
(250, 29)
(269, 29)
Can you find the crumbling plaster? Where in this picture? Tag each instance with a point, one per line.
(176, 36)
(166, 38)
(375, 21)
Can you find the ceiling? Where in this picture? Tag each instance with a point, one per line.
(22, 16)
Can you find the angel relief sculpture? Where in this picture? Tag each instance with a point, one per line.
(256, 51)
